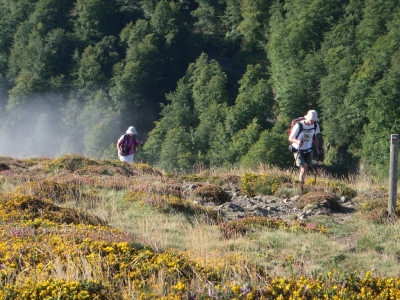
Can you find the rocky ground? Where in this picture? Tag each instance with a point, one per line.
(241, 206)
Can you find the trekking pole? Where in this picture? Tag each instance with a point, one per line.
(315, 172)
(316, 168)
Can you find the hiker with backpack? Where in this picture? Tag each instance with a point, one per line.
(303, 136)
(127, 144)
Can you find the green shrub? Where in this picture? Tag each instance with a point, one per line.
(262, 184)
(70, 162)
(334, 186)
(377, 210)
(271, 149)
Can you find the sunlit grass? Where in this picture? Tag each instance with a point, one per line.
(148, 222)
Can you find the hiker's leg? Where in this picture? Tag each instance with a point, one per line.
(303, 171)
(128, 158)
(308, 162)
(300, 162)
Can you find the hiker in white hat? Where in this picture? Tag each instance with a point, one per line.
(302, 137)
(127, 144)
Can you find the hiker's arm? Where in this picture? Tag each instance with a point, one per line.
(292, 138)
(119, 145)
(137, 142)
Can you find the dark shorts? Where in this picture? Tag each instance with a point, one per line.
(303, 158)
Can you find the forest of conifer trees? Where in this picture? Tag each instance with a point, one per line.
(210, 82)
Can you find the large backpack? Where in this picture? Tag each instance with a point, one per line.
(125, 148)
(294, 122)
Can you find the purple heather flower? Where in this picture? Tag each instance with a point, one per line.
(245, 290)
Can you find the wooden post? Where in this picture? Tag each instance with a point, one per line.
(394, 154)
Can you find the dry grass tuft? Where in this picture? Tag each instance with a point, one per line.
(14, 207)
(210, 193)
(377, 211)
(245, 225)
(4, 167)
(315, 198)
(54, 191)
(70, 162)
(226, 179)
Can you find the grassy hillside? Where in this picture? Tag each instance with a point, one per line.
(76, 228)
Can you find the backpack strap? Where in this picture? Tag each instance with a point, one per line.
(125, 140)
(315, 129)
(300, 128)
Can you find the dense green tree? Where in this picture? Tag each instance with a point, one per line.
(210, 98)
(178, 113)
(176, 151)
(208, 15)
(375, 14)
(255, 21)
(296, 29)
(162, 20)
(51, 14)
(94, 66)
(209, 83)
(42, 61)
(254, 28)
(219, 143)
(341, 60)
(242, 141)
(148, 7)
(95, 19)
(47, 16)
(138, 81)
(269, 149)
(143, 70)
(255, 100)
(198, 106)
(230, 21)
(384, 116)
(121, 89)
(381, 66)
(11, 13)
(181, 46)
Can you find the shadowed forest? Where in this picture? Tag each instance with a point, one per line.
(205, 82)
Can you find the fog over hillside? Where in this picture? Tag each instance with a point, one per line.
(38, 129)
(31, 130)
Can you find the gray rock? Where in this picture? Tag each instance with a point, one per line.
(271, 206)
(294, 198)
(344, 199)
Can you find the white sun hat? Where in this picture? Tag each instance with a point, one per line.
(131, 130)
(312, 115)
